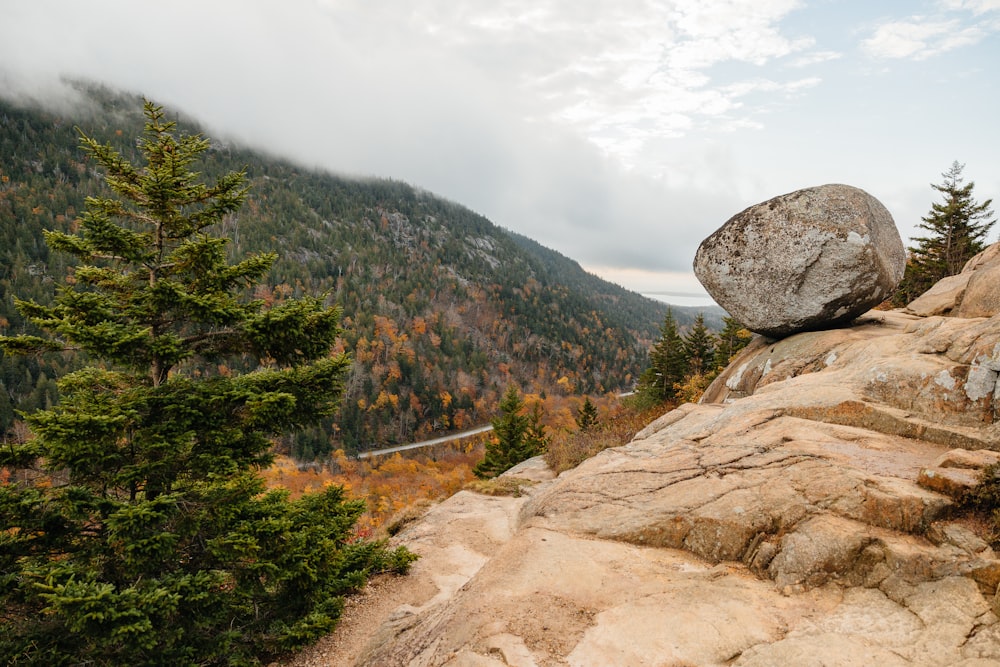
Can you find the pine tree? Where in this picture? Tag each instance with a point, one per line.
(958, 228)
(667, 363)
(155, 541)
(516, 437)
(586, 418)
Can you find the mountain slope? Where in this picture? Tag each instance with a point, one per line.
(442, 308)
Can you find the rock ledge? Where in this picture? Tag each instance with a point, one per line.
(803, 514)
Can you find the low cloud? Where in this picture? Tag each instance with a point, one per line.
(620, 134)
(545, 115)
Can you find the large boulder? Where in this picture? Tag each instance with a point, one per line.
(811, 259)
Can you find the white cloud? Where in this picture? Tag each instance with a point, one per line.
(920, 38)
(619, 75)
(749, 86)
(974, 6)
(636, 72)
(739, 31)
(815, 57)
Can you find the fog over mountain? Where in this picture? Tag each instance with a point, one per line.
(620, 135)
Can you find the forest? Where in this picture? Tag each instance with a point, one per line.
(442, 309)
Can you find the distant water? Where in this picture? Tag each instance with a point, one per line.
(682, 298)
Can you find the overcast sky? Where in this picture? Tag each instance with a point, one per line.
(618, 132)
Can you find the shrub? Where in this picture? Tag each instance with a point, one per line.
(567, 450)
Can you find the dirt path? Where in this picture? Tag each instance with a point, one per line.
(454, 540)
(363, 615)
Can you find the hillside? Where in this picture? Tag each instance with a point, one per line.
(442, 308)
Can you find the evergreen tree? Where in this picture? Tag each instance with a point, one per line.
(667, 363)
(536, 440)
(586, 418)
(957, 226)
(733, 338)
(155, 542)
(699, 347)
(516, 437)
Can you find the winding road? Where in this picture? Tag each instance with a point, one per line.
(426, 443)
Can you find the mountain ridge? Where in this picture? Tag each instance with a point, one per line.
(442, 308)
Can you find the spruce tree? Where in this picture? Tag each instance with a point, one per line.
(586, 417)
(699, 347)
(957, 226)
(154, 540)
(516, 437)
(667, 363)
(733, 338)
(536, 440)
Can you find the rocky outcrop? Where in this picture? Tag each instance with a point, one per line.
(803, 514)
(810, 259)
(972, 293)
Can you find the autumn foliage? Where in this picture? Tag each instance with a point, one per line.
(390, 485)
(616, 425)
(395, 484)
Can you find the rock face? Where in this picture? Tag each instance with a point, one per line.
(971, 293)
(810, 259)
(802, 514)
